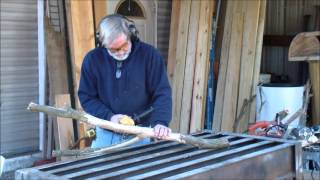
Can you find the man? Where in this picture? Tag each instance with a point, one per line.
(124, 77)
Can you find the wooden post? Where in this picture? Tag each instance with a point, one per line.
(251, 20)
(202, 66)
(175, 16)
(81, 34)
(64, 127)
(81, 39)
(189, 68)
(177, 85)
(217, 117)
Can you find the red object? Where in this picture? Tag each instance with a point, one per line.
(259, 128)
(44, 161)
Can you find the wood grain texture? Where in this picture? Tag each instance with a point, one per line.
(251, 20)
(174, 25)
(202, 64)
(233, 70)
(81, 34)
(217, 117)
(177, 85)
(314, 68)
(190, 67)
(257, 62)
(64, 126)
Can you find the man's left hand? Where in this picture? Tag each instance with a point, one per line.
(161, 131)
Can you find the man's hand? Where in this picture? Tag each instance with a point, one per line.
(122, 119)
(161, 131)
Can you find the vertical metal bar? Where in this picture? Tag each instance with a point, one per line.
(41, 72)
(298, 160)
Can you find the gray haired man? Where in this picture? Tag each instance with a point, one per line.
(124, 77)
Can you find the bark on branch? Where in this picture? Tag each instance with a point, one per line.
(140, 132)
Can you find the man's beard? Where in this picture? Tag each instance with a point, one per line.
(123, 56)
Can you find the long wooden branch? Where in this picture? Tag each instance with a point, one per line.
(95, 151)
(141, 132)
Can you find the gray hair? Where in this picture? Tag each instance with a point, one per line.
(114, 25)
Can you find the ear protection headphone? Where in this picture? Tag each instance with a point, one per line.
(129, 23)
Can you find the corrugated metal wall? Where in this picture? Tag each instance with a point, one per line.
(163, 27)
(19, 76)
(284, 17)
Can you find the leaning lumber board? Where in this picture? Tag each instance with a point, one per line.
(202, 64)
(64, 127)
(190, 66)
(233, 70)
(217, 117)
(180, 63)
(257, 62)
(82, 36)
(174, 26)
(81, 39)
(251, 19)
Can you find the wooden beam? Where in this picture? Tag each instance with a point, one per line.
(175, 16)
(57, 74)
(233, 70)
(202, 65)
(217, 117)
(180, 62)
(257, 62)
(100, 11)
(81, 39)
(64, 128)
(81, 34)
(251, 20)
(190, 67)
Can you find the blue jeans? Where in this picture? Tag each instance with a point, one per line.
(105, 138)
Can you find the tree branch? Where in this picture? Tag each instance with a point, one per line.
(141, 132)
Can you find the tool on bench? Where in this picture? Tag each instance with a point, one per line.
(276, 128)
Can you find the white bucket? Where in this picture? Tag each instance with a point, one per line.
(273, 98)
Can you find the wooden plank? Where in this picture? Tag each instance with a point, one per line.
(100, 11)
(202, 65)
(57, 75)
(81, 39)
(233, 69)
(175, 15)
(257, 62)
(81, 34)
(217, 117)
(182, 39)
(251, 18)
(190, 66)
(64, 126)
(314, 68)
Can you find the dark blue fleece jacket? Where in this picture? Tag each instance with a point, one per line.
(143, 83)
